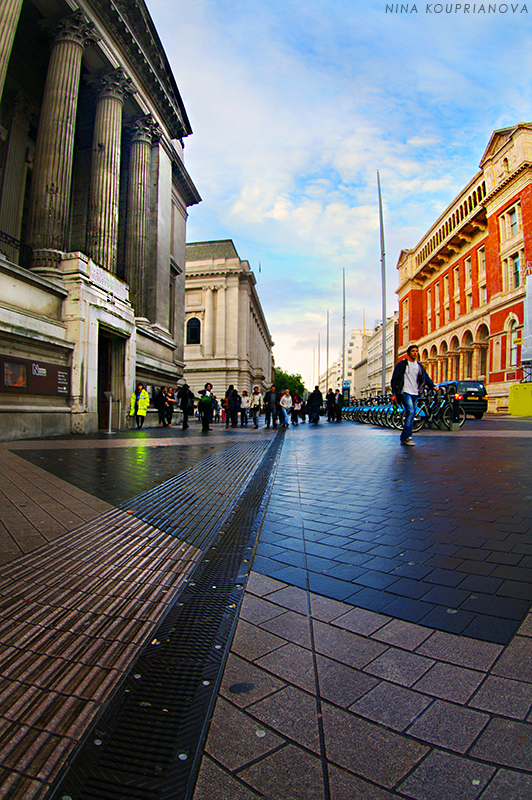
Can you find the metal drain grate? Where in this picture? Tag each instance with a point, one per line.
(148, 744)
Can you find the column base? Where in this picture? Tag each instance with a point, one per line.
(47, 262)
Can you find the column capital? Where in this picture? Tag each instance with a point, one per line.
(76, 28)
(144, 129)
(114, 84)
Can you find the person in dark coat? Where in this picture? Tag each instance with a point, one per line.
(185, 399)
(232, 406)
(408, 381)
(329, 402)
(271, 403)
(205, 406)
(338, 405)
(160, 405)
(315, 402)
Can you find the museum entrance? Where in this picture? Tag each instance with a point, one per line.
(111, 376)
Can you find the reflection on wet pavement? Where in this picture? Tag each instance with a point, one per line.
(117, 474)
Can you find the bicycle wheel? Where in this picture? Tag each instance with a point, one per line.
(447, 416)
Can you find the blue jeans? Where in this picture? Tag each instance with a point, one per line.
(284, 414)
(410, 403)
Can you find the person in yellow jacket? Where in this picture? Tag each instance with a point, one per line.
(140, 401)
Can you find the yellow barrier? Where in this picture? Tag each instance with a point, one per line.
(520, 401)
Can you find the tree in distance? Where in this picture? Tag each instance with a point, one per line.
(285, 380)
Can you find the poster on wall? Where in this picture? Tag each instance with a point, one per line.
(21, 376)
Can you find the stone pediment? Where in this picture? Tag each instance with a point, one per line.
(131, 22)
(499, 138)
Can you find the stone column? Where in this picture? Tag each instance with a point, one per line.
(208, 328)
(475, 366)
(232, 316)
(9, 16)
(143, 130)
(14, 177)
(102, 233)
(243, 321)
(220, 322)
(52, 171)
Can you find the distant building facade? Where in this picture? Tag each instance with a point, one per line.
(354, 348)
(93, 208)
(367, 373)
(462, 288)
(227, 340)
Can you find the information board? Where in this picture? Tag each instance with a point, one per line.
(22, 376)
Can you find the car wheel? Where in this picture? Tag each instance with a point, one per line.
(479, 415)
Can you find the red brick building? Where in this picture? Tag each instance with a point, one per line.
(462, 288)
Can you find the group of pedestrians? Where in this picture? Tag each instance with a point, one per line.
(166, 402)
(279, 407)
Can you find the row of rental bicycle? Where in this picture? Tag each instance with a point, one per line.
(438, 408)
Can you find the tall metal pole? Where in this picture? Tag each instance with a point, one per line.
(318, 358)
(383, 282)
(343, 336)
(327, 373)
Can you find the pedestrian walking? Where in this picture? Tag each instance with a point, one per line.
(256, 406)
(244, 408)
(329, 402)
(185, 401)
(169, 406)
(271, 403)
(205, 407)
(315, 402)
(338, 405)
(285, 405)
(297, 402)
(138, 406)
(160, 405)
(231, 409)
(408, 381)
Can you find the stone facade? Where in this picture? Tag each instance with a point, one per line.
(93, 207)
(462, 288)
(227, 340)
(367, 373)
(354, 349)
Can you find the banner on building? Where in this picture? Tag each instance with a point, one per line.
(526, 348)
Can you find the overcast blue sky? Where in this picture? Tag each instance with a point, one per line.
(296, 105)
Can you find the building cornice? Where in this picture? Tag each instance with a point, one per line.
(184, 182)
(130, 23)
(526, 165)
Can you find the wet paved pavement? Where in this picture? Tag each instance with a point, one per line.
(438, 534)
(121, 468)
(384, 646)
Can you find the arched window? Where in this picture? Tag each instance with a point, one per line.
(512, 329)
(193, 331)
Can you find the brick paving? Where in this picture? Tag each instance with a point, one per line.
(344, 680)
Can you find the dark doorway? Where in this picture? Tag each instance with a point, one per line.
(111, 374)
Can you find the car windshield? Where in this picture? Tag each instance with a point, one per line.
(466, 386)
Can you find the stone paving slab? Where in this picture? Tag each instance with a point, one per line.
(458, 729)
(446, 735)
(438, 535)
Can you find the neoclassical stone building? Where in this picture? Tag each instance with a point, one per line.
(226, 335)
(462, 288)
(93, 207)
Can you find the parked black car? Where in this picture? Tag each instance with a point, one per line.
(472, 395)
